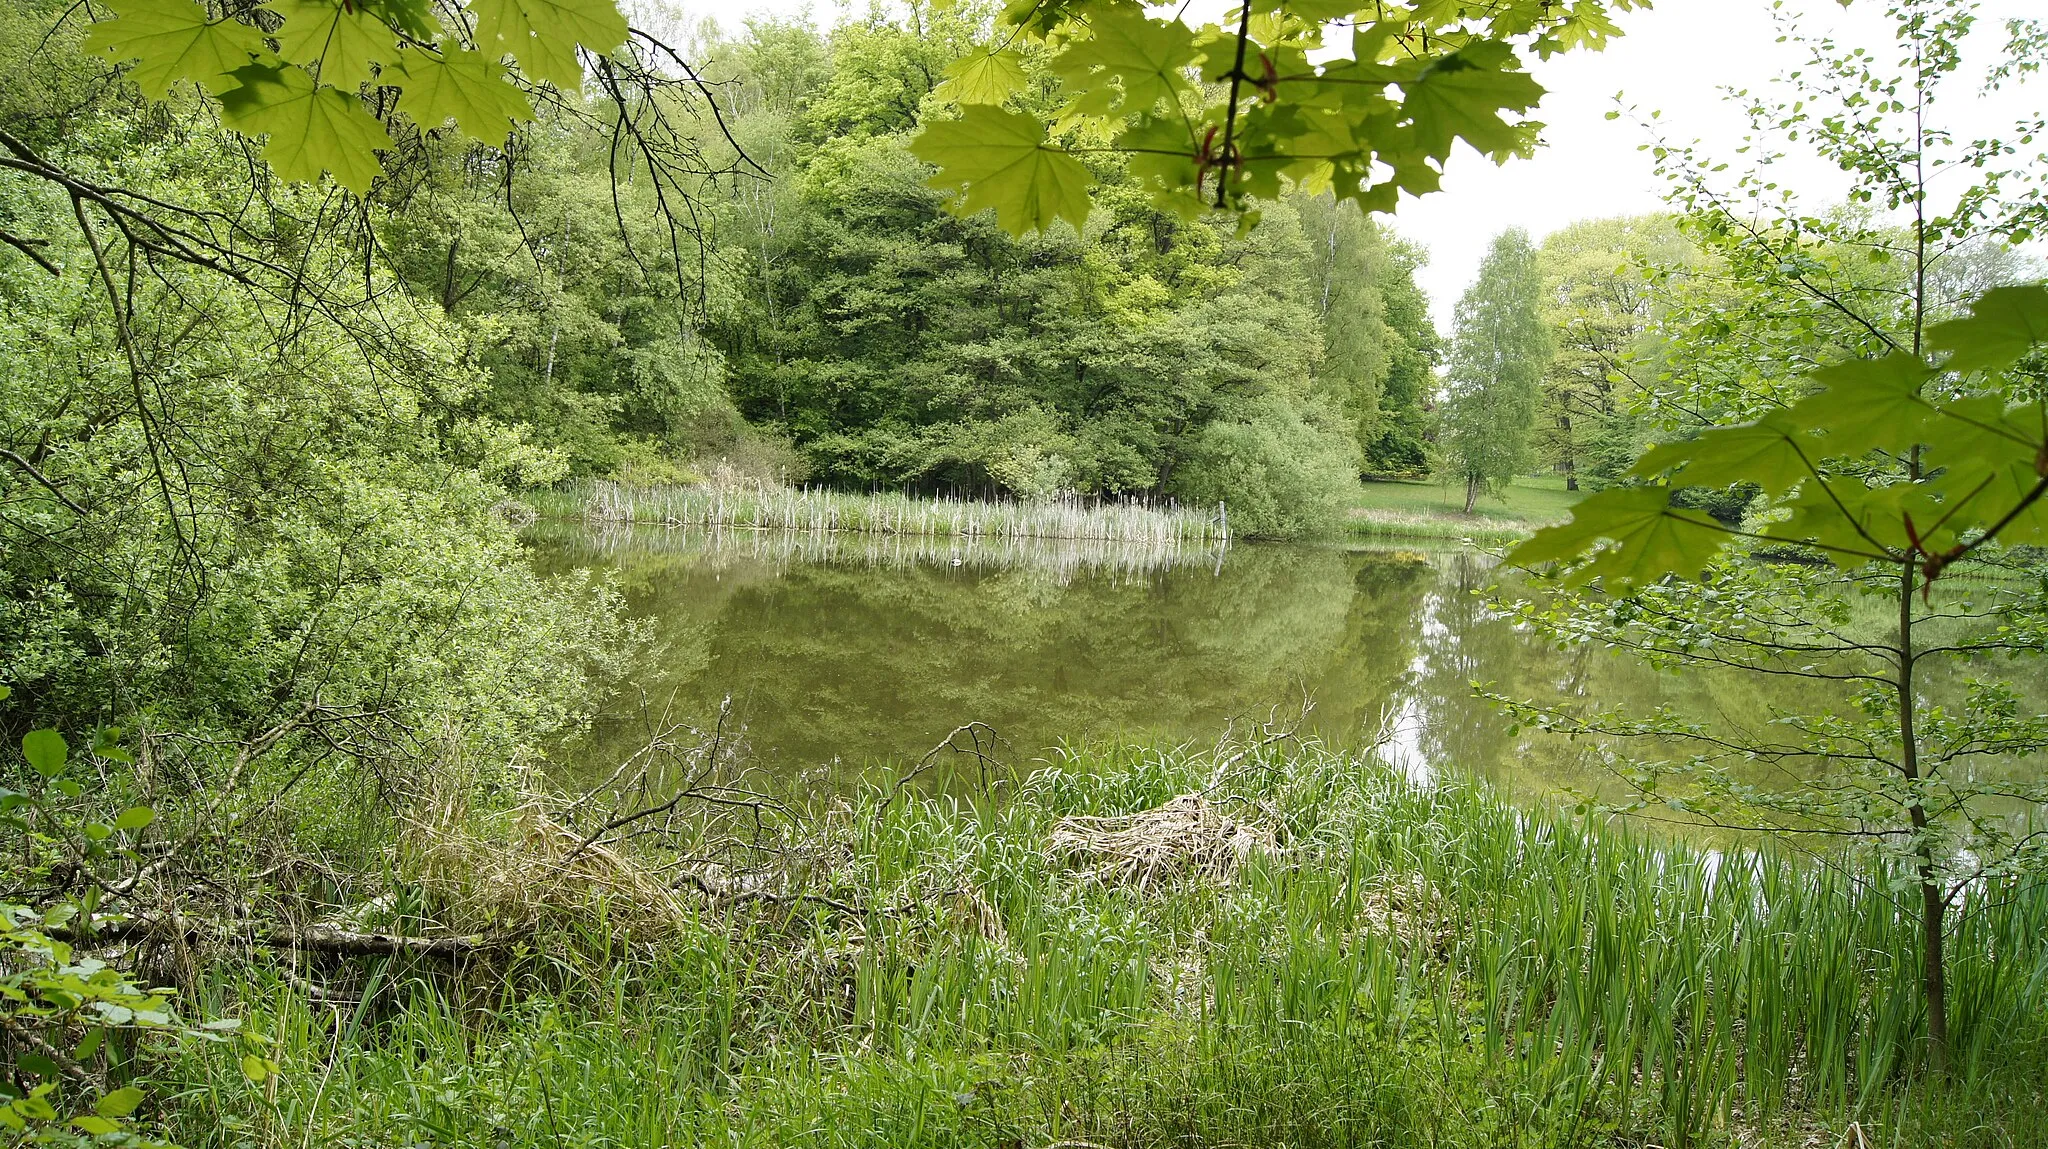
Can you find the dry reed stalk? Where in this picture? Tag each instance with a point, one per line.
(1185, 837)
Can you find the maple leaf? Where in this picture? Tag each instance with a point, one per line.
(984, 78)
(1867, 404)
(1145, 56)
(1853, 522)
(1975, 437)
(1462, 95)
(1767, 452)
(1647, 539)
(173, 40)
(344, 42)
(462, 86)
(310, 127)
(413, 18)
(543, 34)
(1003, 161)
(2003, 323)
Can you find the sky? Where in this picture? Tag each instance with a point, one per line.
(1674, 60)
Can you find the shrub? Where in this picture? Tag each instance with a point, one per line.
(1283, 471)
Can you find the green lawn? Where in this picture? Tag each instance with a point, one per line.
(1419, 508)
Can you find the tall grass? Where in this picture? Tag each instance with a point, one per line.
(1374, 523)
(1415, 965)
(755, 505)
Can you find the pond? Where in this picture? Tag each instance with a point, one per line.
(839, 652)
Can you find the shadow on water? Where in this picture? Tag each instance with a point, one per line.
(841, 651)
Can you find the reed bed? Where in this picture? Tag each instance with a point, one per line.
(1393, 964)
(758, 506)
(1383, 524)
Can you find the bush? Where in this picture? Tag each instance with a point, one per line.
(1283, 471)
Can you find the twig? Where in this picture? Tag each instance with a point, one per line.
(974, 731)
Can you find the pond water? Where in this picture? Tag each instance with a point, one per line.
(838, 652)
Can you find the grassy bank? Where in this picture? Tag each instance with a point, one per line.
(752, 506)
(1315, 953)
(1427, 510)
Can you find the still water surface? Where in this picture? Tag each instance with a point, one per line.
(842, 651)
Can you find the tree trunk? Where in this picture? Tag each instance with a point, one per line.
(1571, 460)
(1934, 978)
(1471, 492)
(1933, 902)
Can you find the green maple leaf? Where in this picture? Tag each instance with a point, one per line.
(1162, 156)
(984, 78)
(1767, 452)
(1853, 522)
(1280, 139)
(310, 127)
(463, 86)
(414, 18)
(1974, 437)
(344, 42)
(2002, 325)
(173, 40)
(1002, 160)
(2007, 488)
(1462, 95)
(1867, 404)
(543, 34)
(1146, 56)
(1647, 539)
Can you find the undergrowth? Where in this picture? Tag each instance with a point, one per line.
(1313, 952)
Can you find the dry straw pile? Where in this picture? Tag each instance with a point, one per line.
(1188, 837)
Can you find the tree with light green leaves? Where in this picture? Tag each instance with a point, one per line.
(1500, 349)
(1890, 555)
(1604, 283)
(1378, 342)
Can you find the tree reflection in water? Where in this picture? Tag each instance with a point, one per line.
(841, 653)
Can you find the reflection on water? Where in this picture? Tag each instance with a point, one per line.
(842, 650)
(1061, 559)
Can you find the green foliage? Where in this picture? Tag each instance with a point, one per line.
(998, 158)
(1499, 353)
(59, 1004)
(1282, 472)
(1378, 342)
(1908, 470)
(1969, 421)
(1224, 116)
(293, 71)
(899, 346)
(1606, 286)
(239, 502)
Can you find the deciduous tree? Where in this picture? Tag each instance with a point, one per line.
(1500, 349)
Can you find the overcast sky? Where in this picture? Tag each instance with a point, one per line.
(1675, 59)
